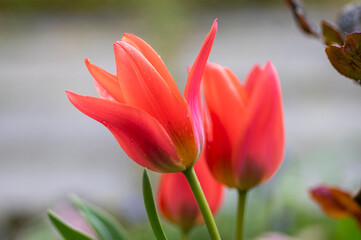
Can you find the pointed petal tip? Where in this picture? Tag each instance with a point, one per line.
(271, 71)
(214, 26)
(124, 36)
(70, 95)
(73, 97)
(87, 63)
(270, 67)
(212, 65)
(127, 35)
(117, 44)
(215, 22)
(121, 45)
(269, 62)
(67, 92)
(257, 66)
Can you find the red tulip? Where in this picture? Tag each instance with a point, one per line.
(143, 108)
(245, 132)
(337, 203)
(176, 201)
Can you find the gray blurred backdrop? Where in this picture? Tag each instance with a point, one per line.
(49, 149)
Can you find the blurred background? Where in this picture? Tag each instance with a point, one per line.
(48, 149)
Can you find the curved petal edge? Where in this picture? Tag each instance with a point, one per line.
(139, 134)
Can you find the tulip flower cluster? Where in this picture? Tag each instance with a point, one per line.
(241, 126)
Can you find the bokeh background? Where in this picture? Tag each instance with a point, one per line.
(48, 149)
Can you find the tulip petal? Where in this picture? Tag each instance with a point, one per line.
(106, 80)
(226, 99)
(102, 92)
(252, 79)
(144, 88)
(176, 200)
(239, 87)
(192, 90)
(260, 148)
(140, 135)
(152, 56)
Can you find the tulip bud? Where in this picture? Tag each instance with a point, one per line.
(176, 201)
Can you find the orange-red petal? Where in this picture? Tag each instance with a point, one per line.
(260, 147)
(251, 79)
(152, 56)
(102, 92)
(143, 87)
(192, 90)
(222, 94)
(226, 106)
(139, 134)
(106, 80)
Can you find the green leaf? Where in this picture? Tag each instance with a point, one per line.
(330, 34)
(65, 230)
(347, 229)
(347, 59)
(105, 225)
(151, 208)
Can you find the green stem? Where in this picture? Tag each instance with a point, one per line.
(242, 194)
(185, 235)
(202, 203)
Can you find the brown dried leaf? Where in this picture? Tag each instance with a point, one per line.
(347, 58)
(300, 17)
(330, 34)
(358, 197)
(336, 202)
